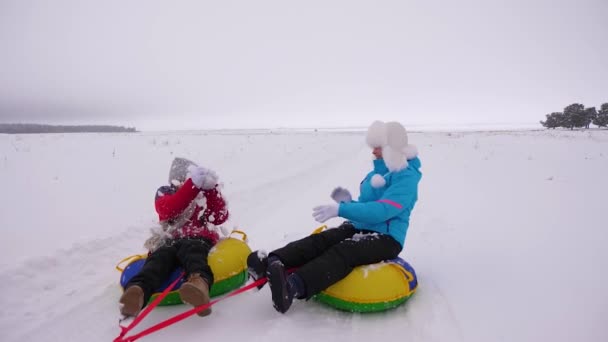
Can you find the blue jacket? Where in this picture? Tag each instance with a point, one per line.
(387, 209)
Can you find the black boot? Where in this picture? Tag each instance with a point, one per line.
(284, 288)
(257, 263)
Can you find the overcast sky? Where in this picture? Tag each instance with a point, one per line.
(212, 64)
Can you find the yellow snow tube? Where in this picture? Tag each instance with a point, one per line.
(227, 259)
(371, 288)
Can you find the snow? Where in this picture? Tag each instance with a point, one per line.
(360, 236)
(508, 237)
(261, 254)
(373, 267)
(201, 201)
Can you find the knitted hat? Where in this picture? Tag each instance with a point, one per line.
(179, 169)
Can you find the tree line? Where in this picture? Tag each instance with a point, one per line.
(577, 116)
(41, 128)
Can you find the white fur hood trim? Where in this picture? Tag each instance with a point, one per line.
(396, 160)
(411, 152)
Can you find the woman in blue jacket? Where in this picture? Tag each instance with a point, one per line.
(375, 229)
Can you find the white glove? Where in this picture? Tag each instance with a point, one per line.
(202, 178)
(323, 213)
(341, 195)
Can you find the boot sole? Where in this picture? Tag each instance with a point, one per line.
(192, 295)
(277, 280)
(132, 301)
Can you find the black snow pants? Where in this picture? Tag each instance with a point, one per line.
(325, 258)
(190, 254)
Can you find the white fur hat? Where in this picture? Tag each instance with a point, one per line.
(392, 137)
(376, 134)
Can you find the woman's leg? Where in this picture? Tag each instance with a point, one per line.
(339, 261)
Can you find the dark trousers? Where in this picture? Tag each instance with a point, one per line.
(325, 258)
(190, 254)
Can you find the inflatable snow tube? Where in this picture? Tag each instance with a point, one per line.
(227, 259)
(372, 288)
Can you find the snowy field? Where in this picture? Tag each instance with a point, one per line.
(509, 237)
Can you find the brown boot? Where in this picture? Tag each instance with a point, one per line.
(132, 300)
(195, 292)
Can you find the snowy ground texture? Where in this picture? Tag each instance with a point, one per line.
(508, 238)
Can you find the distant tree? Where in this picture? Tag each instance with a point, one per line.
(41, 128)
(601, 119)
(589, 115)
(575, 116)
(554, 120)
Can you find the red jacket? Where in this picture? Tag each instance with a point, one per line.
(180, 206)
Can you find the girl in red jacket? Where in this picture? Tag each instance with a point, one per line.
(185, 209)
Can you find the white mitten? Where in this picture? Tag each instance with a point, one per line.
(197, 174)
(209, 180)
(323, 213)
(341, 195)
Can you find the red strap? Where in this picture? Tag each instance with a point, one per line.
(185, 314)
(146, 311)
(393, 203)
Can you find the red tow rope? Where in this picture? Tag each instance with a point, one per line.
(146, 311)
(176, 318)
